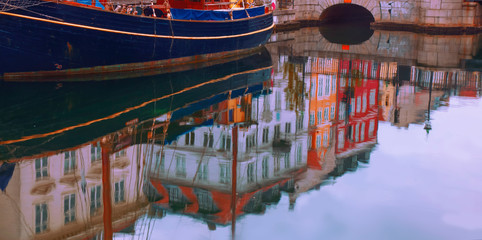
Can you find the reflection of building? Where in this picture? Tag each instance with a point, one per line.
(322, 106)
(357, 119)
(343, 119)
(193, 175)
(457, 82)
(60, 196)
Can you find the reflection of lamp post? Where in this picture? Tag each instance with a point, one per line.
(428, 124)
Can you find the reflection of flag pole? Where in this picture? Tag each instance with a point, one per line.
(233, 181)
(106, 194)
(428, 125)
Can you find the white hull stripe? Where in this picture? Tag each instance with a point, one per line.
(132, 33)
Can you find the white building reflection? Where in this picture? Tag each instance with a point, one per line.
(59, 195)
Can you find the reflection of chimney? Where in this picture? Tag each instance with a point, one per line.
(211, 226)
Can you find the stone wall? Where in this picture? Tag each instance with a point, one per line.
(442, 13)
(449, 12)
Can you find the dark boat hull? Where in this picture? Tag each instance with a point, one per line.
(59, 37)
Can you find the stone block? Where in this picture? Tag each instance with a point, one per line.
(468, 20)
(432, 13)
(444, 20)
(435, 4)
(429, 20)
(429, 47)
(469, 13)
(451, 6)
(456, 13)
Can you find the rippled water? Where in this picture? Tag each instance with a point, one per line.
(319, 140)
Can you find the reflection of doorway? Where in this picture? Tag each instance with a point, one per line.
(346, 33)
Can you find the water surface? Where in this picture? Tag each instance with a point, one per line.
(317, 138)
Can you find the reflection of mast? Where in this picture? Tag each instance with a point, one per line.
(428, 124)
(396, 111)
(106, 193)
(233, 182)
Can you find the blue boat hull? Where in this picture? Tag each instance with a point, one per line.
(66, 37)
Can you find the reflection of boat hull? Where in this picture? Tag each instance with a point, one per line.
(52, 37)
(58, 117)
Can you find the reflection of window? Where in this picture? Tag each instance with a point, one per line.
(358, 104)
(189, 138)
(277, 131)
(371, 128)
(95, 152)
(318, 141)
(341, 139)
(160, 159)
(175, 195)
(205, 201)
(265, 167)
(320, 87)
(357, 132)
(374, 69)
(266, 107)
(180, 165)
(309, 142)
(208, 139)
(313, 89)
(288, 127)
(312, 118)
(299, 154)
(254, 109)
(276, 164)
(299, 124)
(228, 143)
(325, 139)
(95, 199)
(224, 173)
(342, 110)
(325, 114)
(225, 142)
(372, 97)
(265, 134)
(352, 110)
(69, 162)
(69, 208)
(332, 112)
(203, 172)
(41, 168)
(362, 132)
(250, 172)
(287, 160)
(364, 102)
(327, 86)
(119, 193)
(333, 83)
(41, 217)
(277, 104)
(319, 116)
